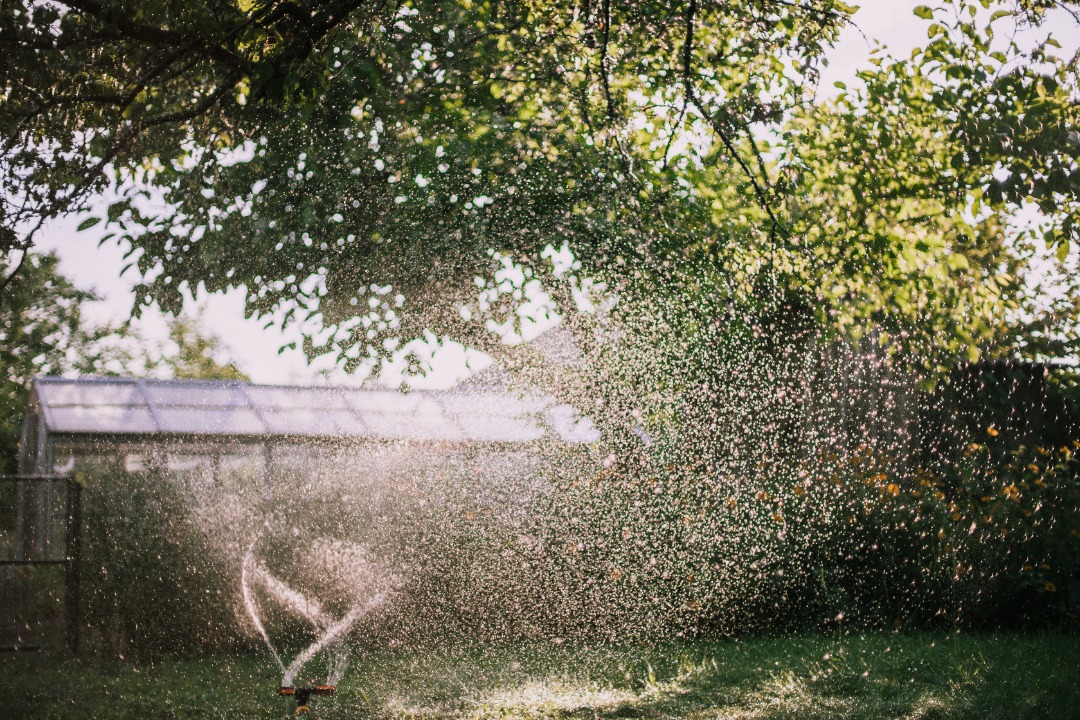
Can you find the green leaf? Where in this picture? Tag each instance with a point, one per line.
(117, 209)
(924, 12)
(1063, 249)
(88, 223)
(958, 261)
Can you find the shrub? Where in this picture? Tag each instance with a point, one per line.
(150, 583)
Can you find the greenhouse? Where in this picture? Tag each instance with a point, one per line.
(73, 416)
(235, 436)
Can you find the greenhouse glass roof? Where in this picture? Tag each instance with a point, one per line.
(121, 406)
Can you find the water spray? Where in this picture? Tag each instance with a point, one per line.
(329, 631)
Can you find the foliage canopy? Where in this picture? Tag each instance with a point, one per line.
(355, 166)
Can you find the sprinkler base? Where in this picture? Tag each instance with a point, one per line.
(302, 694)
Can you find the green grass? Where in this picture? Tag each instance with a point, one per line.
(806, 677)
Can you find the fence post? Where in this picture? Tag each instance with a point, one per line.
(74, 558)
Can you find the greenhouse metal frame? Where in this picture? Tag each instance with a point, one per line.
(136, 419)
(103, 410)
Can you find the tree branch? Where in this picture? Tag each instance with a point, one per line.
(691, 94)
(157, 35)
(27, 242)
(606, 6)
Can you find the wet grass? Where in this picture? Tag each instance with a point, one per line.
(876, 676)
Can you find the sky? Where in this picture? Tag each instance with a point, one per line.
(254, 348)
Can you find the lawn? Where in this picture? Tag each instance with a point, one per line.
(872, 676)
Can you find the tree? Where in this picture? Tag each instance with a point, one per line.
(43, 332)
(180, 88)
(674, 148)
(198, 356)
(924, 169)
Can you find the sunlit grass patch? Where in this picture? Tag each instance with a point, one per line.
(554, 698)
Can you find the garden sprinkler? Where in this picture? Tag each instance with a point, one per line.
(302, 695)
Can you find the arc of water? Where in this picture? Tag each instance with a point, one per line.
(246, 569)
(310, 610)
(329, 630)
(332, 634)
(339, 661)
